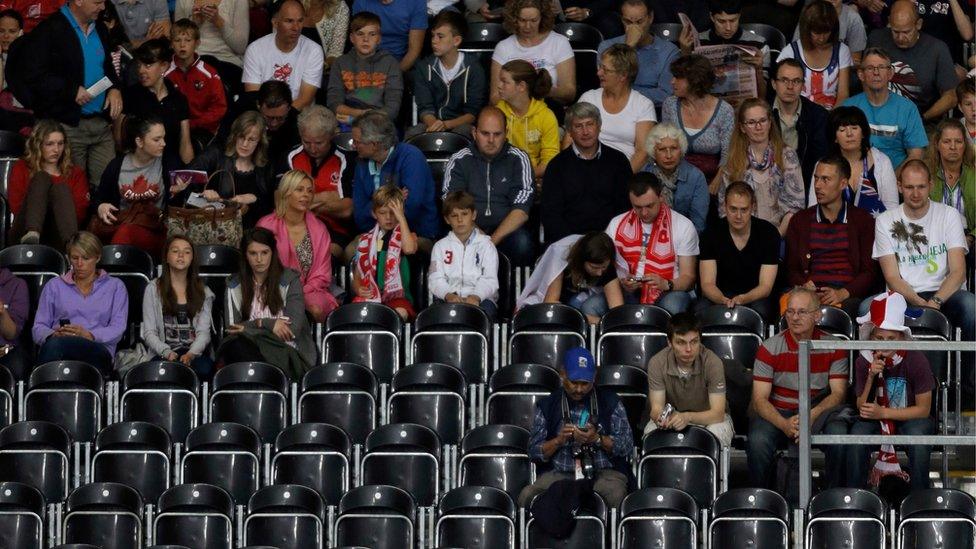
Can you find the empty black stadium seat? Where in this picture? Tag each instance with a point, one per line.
(195, 515)
(21, 516)
(933, 517)
(689, 460)
(658, 517)
(458, 334)
(288, 515)
(38, 454)
(341, 394)
(632, 334)
(496, 456)
(162, 393)
(68, 393)
(543, 332)
(254, 394)
(475, 517)
(845, 517)
(749, 517)
(134, 267)
(432, 395)
(226, 455)
(215, 265)
(104, 514)
(733, 334)
(406, 456)
(631, 385)
(514, 390)
(367, 334)
(379, 517)
(315, 455)
(135, 454)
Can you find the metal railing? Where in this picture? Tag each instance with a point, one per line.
(807, 440)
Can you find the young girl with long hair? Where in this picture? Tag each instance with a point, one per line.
(530, 124)
(176, 310)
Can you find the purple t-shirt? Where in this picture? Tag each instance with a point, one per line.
(912, 376)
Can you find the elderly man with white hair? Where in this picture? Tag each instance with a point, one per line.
(685, 189)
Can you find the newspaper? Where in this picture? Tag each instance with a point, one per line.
(735, 80)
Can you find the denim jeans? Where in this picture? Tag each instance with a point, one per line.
(76, 348)
(674, 302)
(518, 247)
(594, 304)
(765, 438)
(859, 456)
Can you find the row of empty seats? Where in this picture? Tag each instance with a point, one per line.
(289, 516)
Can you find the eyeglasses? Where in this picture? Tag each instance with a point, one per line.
(798, 312)
(756, 123)
(875, 68)
(790, 82)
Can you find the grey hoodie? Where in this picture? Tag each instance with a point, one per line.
(373, 82)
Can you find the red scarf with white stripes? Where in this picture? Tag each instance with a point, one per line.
(369, 244)
(886, 462)
(653, 256)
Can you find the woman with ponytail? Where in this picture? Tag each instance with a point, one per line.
(531, 125)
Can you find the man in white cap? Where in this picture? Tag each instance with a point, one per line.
(894, 396)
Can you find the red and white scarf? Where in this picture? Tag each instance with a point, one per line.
(653, 256)
(369, 244)
(886, 460)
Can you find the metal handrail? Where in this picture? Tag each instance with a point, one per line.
(806, 439)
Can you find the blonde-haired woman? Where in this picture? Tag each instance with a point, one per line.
(758, 156)
(82, 314)
(240, 169)
(326, 23)
(48, 194)
(303, 241)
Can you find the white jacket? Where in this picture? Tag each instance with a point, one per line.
(464, 268)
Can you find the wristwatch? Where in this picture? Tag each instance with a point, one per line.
(937, 300)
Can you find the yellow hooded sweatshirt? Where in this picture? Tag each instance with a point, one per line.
(536, 133)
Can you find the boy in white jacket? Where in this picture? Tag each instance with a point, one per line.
(464, 264)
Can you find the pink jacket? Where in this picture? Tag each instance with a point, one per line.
(315, 286)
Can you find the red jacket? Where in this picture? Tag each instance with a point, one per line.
(204, 93)
(33, 11)
(861, 235)
(20, 179)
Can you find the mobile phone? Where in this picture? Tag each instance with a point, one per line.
(64, 322)
(584, 417)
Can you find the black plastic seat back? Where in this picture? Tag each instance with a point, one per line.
(38, 454)
(68, 393)
(11, 144)
(542, 333)
(773, 36)
(632, 334)
(750, 517)
(658, 517)
(379, 517)
(195, 515)
(135, 454)
(367, 334)
(496, 456)
(591, 529)
(580, 35)
(457, 334)
(226, 455)
(514, 390)
(845, 517)
(315, 455)
(689, 460)
(431, 395)
(288, 515)
(631, 385)
(8, 391)
(476, 517)
(253, 394)
(36, 265)
(733, 334)
(438, 148)
(104, 514)
(21, 516)
(406, 456)
(134, 267)
(929, 518)
(668, 31)
(165, 394)
(216, 264)
(341, 394)
(484, 35)
(343, 140)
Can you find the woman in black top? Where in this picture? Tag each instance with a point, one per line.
(156, 96)
(240, 170)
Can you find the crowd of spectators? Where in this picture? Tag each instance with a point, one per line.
(848, 174)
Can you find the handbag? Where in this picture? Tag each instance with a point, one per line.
(209, 225)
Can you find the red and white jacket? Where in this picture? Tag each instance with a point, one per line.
(204, 92)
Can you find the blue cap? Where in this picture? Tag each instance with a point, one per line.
(579, 365)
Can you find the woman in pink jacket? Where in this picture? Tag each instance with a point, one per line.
(303, 241)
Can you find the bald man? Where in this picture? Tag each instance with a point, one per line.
(287, 56)
(923, 68)
(499, 176)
